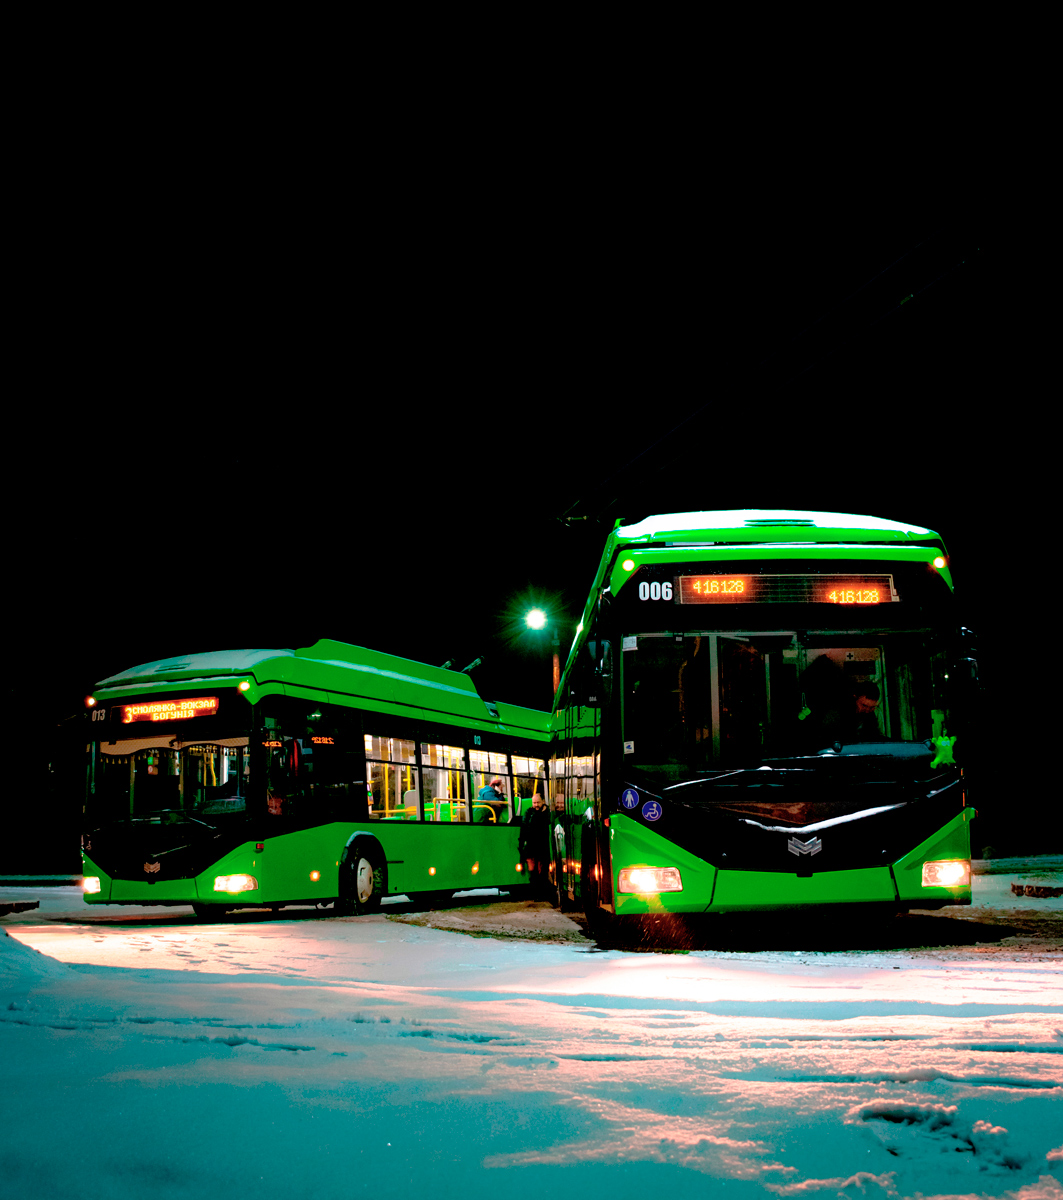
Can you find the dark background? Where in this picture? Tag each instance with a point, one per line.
(402, 431)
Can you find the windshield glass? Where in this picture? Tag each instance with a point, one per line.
(161, 773)
(706, 702)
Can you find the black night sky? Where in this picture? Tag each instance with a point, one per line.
(405, 444)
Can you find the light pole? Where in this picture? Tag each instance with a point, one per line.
(537, 619)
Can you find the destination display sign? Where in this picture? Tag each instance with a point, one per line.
(170, 710)
(786, 589)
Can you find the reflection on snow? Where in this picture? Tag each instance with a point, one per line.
(461, 1067)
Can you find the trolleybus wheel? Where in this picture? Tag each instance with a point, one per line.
(362, 884)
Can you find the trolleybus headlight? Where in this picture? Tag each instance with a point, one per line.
(91, 883)
(235, 883)
(650, 879)
(953, 872)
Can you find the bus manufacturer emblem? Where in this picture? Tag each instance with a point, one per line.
(812, 846)
(152, 868)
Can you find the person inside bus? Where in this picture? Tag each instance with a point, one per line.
(863, 722)
(534, 846)
(491, 800)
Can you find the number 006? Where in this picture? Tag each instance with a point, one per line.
(655, 591)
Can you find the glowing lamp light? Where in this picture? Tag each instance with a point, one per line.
(939, 562)
(235, 883)
(475, 867)
(954, 872)
(520, 867)
(243, 686)
(90, 884)
(649, 880)
(628, 564)
(536, 619)
(431, 870)
(315, 876)
(90, 701)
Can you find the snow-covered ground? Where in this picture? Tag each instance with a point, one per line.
(146, 1055)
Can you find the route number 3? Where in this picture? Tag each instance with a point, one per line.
(655, 591)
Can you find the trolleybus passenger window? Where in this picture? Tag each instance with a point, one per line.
(486, 809)
(445, 783)
(529, 777)
(391, 779)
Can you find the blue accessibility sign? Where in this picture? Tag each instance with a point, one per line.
(630, 798)
(651, 810)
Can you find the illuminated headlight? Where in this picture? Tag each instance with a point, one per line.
(650, 879)
(91, 883)
(951, 873)
(235, 883)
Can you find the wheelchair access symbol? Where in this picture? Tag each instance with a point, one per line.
(651, 810)
(629, 798)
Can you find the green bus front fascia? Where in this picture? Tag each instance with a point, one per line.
(707, 889)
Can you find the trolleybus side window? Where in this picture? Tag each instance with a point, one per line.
(391, 778)
(487, 765)
(444, 783)
(529, 777)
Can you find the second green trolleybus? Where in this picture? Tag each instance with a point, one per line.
(331, 775)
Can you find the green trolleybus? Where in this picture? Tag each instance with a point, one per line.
(760, 712)
(330, 775)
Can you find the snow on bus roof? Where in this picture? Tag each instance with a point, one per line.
(753, 521)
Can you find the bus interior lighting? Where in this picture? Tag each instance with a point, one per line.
(649, 879)
(91, 883)
(953, 872)
(235, 883)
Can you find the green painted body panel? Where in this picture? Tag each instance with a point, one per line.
(632, 845)
(88, 867)
(750, 891)
(464, 857)
(283, 867)
(951, 841)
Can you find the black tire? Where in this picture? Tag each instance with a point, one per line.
(361, 883)
(210, 912)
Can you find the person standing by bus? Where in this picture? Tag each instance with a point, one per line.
(534, 846)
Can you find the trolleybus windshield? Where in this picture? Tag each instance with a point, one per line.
(722, 669)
